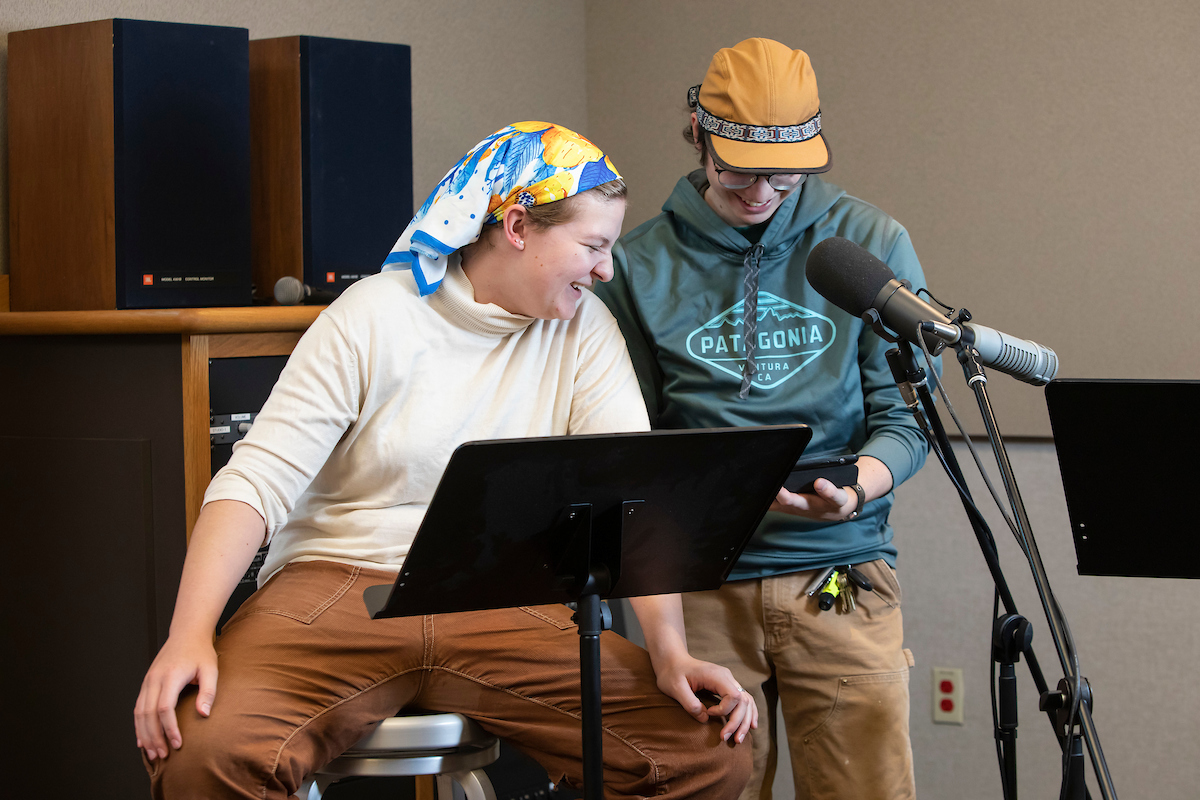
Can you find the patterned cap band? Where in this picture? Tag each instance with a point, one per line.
(752, 133)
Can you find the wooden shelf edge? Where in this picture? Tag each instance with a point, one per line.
(173, 320)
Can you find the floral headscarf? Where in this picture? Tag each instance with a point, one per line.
(527, 162)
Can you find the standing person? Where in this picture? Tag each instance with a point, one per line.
(482, 328)
(724, 330)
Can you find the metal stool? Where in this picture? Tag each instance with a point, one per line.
(449, 746)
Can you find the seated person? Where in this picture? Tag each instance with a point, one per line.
(479, 327)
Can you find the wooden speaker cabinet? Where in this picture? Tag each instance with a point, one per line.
(331, 125)
(102, 471)
(129, 166)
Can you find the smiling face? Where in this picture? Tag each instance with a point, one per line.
(548, 268)
(739, 208)
(742, 207)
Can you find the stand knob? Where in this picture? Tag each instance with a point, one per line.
(1059, 701)
(1011, 635)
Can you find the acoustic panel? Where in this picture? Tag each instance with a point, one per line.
(77, 588)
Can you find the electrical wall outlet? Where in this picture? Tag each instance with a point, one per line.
(947, 696)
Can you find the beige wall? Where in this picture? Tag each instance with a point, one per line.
(1043, 155)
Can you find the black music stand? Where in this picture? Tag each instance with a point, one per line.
(1112, 433)
(579, 518)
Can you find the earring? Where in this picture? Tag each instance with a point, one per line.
(520, 242)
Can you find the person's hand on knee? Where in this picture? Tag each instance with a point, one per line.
(690, 677)
(177, 665)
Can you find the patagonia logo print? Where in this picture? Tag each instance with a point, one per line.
(788, 338)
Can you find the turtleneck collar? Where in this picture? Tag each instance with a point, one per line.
(455, 299)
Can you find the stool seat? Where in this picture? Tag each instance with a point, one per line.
(450, 746)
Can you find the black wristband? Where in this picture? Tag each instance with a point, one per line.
(862, 499)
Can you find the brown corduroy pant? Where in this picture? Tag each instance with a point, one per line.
(304, 673)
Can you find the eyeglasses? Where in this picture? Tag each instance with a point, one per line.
(744, 180)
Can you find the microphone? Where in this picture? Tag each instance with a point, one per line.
(855, 281)
(291, 291)
(1023, 359)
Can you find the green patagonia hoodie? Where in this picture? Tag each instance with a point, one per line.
(677, 294)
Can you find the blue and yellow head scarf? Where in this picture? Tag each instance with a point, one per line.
(527, 162)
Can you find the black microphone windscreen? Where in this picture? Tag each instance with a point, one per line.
(846, 275)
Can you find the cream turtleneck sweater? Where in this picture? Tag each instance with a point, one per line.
(344, 457)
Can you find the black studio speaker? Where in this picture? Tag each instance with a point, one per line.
(332, 133)
(130, 166)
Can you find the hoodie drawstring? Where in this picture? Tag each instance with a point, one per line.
(750, 315)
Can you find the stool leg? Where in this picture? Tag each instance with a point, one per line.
(445, 787)
(475, 784)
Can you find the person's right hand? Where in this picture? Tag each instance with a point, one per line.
(826, 503)
(178, 664)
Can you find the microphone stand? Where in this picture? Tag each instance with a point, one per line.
(1011, 636)
(1071, 694)
(912, 382)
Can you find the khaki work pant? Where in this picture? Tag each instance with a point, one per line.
(842, 678)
